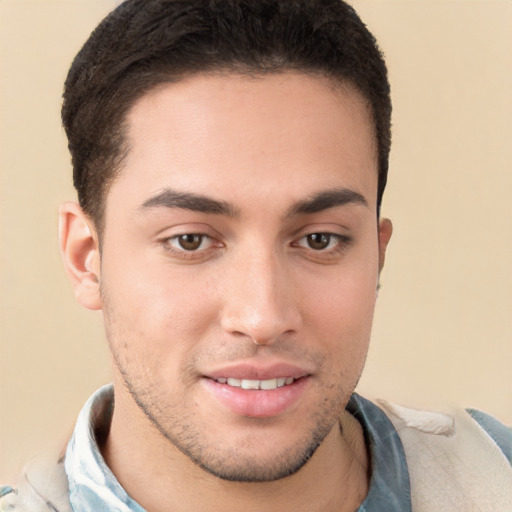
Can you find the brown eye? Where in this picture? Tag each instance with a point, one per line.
(318, 241)
(190, 242)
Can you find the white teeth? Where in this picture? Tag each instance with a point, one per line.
(250, 384)
(256, 384)
(268, 384)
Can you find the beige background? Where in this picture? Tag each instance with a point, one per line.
(443, 325)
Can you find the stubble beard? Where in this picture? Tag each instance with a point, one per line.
(182, 434)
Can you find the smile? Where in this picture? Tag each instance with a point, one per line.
(258, 398)
(256, 384)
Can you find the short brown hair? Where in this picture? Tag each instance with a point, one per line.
(144, 43)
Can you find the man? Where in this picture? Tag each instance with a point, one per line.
(230, 160)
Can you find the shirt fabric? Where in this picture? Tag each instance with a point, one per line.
(93, 486)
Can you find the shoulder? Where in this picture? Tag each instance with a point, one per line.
(456, 460)
(499, 433)
(42, 487)
(468, 425)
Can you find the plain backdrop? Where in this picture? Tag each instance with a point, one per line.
(443, 326)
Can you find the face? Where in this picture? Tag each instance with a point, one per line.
(239, 267)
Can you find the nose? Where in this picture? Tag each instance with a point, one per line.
(259, 300)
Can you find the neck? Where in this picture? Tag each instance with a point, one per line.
(334, 479)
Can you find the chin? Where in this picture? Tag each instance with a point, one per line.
(236, 467)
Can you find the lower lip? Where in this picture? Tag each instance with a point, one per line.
(257, 403)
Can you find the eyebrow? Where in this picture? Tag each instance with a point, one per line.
(188, 201)
(327, 199)
(203, 204)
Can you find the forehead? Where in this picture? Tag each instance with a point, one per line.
(220, 133)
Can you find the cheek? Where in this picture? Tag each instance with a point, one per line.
(342, 311)
(153, 313)
(346, 298)
(346, 323)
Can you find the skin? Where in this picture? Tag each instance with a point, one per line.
(259, 286)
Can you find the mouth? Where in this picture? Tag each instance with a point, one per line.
(257, 398)
(253, 384)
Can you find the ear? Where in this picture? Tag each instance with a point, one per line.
(79, 249)
(385, 232)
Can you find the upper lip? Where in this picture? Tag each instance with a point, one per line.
(253, 371)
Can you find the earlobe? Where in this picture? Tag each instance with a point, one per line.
(80, 253)
(385, 232)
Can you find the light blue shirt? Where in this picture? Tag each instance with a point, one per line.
(93, 487)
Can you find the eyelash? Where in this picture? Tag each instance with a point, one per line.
(342, 242)
(187, 253)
